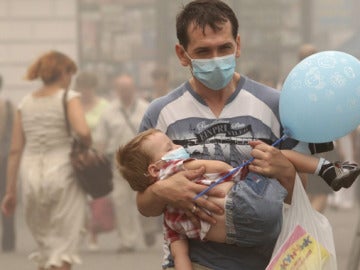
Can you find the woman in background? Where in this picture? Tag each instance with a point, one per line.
(101, 210)
(54, 203)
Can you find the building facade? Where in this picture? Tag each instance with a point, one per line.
(112, 36)
(29, 28)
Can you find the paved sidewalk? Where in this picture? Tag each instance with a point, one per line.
(344, 224)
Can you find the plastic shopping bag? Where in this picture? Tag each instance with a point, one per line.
(306, 239)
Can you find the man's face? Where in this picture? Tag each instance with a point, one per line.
(212, 44)
(125, 88)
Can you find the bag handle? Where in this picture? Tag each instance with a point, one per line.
(127, 119)
(67, 123)
(299, 194)
(64, 101)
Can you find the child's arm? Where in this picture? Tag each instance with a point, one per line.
(302, 163)
(180, 252)
(211, 166)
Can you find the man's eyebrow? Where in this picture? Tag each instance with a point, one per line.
(205, 48)
(200, 49)
(227, 44)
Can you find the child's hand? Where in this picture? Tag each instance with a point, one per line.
(271, 162)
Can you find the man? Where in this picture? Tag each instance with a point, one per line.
(6, 122)
(306, 50)
(117, 125)
(160, 78)
(216, 114)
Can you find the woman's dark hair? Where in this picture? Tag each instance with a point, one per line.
(213, 13)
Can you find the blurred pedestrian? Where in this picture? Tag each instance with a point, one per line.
(161, 80)
(318, 191)
(54, 203)
(101, 217)
(87, 84)
(117, 125)
(306, 50)
(265, 76)
(345, 198)
(6, 122)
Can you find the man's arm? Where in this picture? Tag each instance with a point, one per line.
(149, 203)
(179, 192)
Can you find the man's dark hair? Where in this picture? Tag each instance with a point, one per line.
(213, 13)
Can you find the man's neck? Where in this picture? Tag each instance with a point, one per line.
(216, 100)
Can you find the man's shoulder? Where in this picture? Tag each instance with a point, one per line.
(262, 94)
(157, 106)
(160, 103)
(173, 95)
(260, 90)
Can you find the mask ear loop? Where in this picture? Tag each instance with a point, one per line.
(191, 60)
(186, 53)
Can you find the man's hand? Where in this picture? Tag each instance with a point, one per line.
(179, 192)
(270, 162)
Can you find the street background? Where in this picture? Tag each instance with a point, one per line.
(135, 36)
(344, 224)
(113, 36)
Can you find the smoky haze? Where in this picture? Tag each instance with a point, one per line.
(136, 36)
(109, 37)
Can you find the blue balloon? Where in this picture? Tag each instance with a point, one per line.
(320, 98)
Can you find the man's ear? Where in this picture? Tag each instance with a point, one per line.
(153, 170)
(238, 46)
(184, 60)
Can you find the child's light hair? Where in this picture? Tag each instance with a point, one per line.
(133, 161)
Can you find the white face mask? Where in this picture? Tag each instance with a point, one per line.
(178, 153)
(215, 73)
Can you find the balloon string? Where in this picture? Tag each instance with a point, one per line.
(220, 180)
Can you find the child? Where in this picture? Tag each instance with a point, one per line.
(152, 156)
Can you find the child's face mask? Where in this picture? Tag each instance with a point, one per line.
(178, 153)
